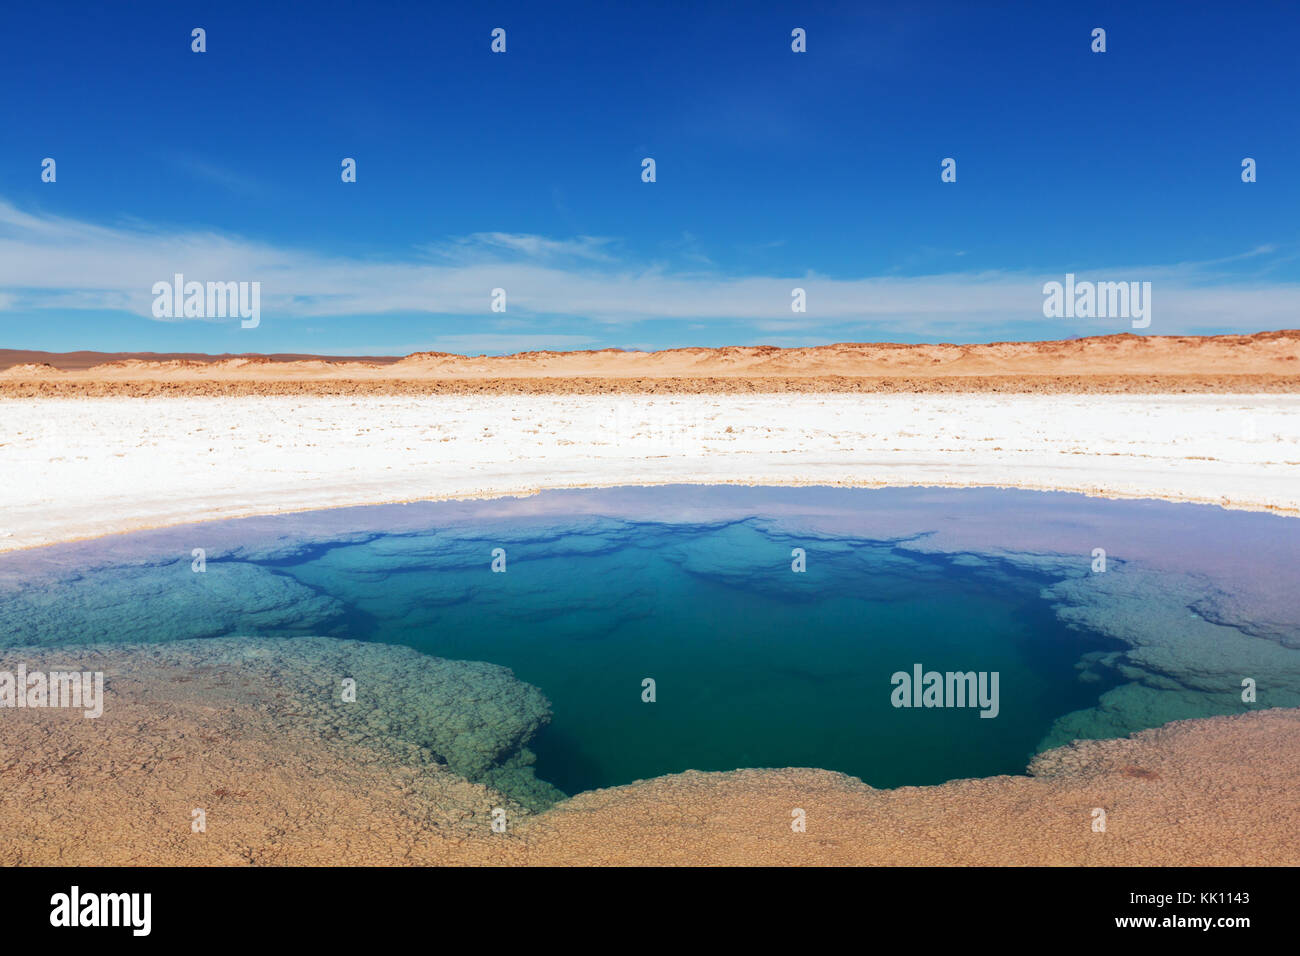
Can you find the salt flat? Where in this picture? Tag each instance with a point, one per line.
(76, 468)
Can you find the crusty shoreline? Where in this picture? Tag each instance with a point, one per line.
(696, 385)
(182, 731)
(87, 467)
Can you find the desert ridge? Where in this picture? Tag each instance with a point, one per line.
(1124, 356)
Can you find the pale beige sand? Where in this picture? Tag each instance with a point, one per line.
(1266, 361)
(246, 744)
(177, 734)
(1218, 792)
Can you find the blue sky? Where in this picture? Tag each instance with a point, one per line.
(523, 171)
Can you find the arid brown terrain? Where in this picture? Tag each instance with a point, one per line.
(1264, 362)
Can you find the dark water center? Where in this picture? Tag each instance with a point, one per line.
(753, 664)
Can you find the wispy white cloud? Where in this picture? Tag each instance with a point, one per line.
(469, 343)
(49, 262)
(508, 245)
(227, 179)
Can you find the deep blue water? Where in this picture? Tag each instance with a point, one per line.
(754, 664)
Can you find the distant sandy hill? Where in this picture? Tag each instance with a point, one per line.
(1266, 361)
(80, 361)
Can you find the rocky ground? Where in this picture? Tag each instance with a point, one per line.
(256, 735)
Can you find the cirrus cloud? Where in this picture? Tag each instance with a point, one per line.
(50, 262)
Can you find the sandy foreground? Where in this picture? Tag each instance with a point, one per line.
(247, 733)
